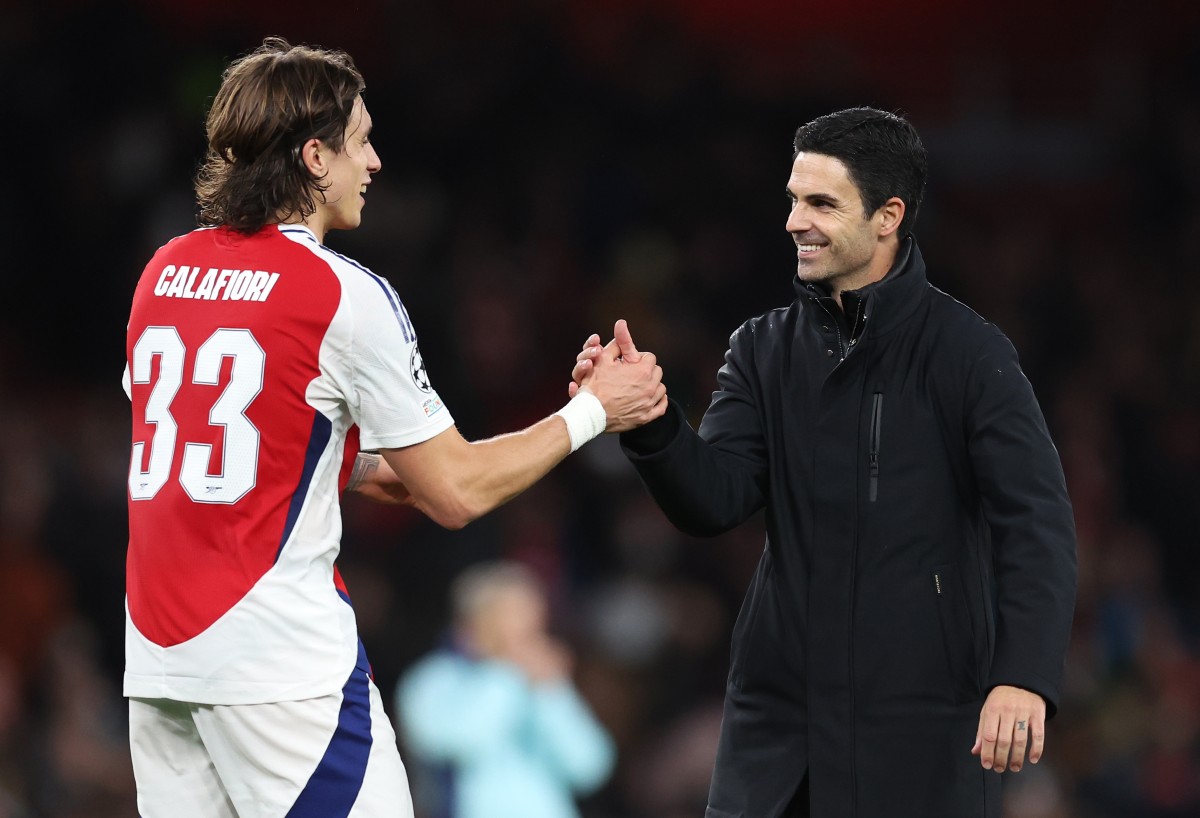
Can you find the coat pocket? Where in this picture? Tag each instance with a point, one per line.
(874, 437)
(957, 639)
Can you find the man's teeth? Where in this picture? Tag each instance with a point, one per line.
(808, 248)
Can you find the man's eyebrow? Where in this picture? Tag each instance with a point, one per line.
(812, 197)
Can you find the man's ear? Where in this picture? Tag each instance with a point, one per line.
(892, 214)
(315, 154)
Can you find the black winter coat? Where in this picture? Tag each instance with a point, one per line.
(920, 549)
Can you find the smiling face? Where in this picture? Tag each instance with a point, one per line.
(837, 243)
(346, 174)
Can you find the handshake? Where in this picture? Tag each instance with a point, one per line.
(628, 383)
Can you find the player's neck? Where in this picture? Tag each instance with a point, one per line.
(313, 222)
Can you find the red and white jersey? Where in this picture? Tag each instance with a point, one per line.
(257, 367)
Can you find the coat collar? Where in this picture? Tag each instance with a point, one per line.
(891, 299)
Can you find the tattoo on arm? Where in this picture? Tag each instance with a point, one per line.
(364, 468)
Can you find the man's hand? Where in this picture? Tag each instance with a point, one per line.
(627, 382)
(1012, 720)
(621, 346)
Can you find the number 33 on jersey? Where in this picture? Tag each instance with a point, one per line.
(202, 479)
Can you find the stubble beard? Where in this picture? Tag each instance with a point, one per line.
(836, 271)
(819, 271)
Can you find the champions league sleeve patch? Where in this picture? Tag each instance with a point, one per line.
(416, 368)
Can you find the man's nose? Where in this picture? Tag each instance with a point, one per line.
(798, 220)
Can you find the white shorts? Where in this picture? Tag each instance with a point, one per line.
(329, 757)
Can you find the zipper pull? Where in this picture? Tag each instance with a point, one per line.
(874, 485)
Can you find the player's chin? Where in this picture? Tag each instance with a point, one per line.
(351, 220)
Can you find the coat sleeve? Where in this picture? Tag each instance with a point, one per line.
(1024, 496)
(707, 482)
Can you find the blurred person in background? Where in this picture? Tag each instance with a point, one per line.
(259, 363)
(495, 709)
(914, 602)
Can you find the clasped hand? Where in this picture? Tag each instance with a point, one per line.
(627, 382)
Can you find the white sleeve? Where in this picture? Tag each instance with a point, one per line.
(126, 384)
(392, 399)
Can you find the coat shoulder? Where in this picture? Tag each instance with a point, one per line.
(769, 326)
(968, 330)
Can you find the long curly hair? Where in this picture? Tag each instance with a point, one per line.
(271, 102)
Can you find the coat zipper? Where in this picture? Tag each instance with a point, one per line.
(837, 329)
(861, 317)
(873, 450)
(844, 345)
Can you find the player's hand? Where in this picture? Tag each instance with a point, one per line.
(621, 345)
(374, 479)
(627, 382)
(1013, 721)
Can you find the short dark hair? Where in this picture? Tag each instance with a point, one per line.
(270, 103)
(882, 152)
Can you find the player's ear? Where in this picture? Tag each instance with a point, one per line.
(314, 155)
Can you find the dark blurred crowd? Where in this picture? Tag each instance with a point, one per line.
(548, 168)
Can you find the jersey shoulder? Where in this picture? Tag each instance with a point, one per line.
(370, 294)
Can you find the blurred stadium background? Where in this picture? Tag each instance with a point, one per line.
(548, 167)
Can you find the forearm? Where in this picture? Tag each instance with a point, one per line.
(1035, 567)
(455, 482)
(371, 477)
(702, 490)
(495, 470)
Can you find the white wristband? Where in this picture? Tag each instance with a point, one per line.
(585, 417)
